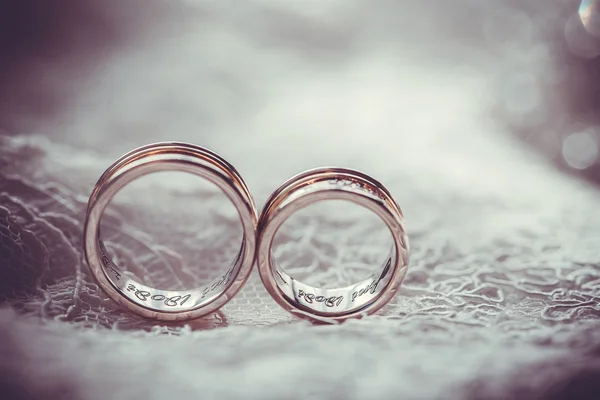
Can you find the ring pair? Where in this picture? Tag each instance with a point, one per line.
(362, 298)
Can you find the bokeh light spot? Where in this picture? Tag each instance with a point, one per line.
(580, 149)
(580, 41)
(589, 13)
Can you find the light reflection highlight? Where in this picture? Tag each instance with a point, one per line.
(578, 38)
(589, 14)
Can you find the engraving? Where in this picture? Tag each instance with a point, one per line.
(371, 287)
(144, 295)
(106, 261)
(310, 298)
(356, 185)
(172, 301)
(186, 297)
(223, 281)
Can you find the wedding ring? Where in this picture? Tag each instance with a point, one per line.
(155, 303)
(362, 298)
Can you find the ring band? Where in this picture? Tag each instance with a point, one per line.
(169, 305)
(357, 300)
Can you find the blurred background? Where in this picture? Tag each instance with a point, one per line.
(75, 69)
(481, 117)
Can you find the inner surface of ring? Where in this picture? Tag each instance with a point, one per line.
(343, 300)
(131, 286)
(167, 300)
(306, 285)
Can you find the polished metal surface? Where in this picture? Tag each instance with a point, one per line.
(160, 304)
(362, 298)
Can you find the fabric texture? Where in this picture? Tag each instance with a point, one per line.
(500, 298)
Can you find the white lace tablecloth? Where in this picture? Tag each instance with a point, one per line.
(500, 300)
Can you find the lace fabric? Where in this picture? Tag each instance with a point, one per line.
(500, 299)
